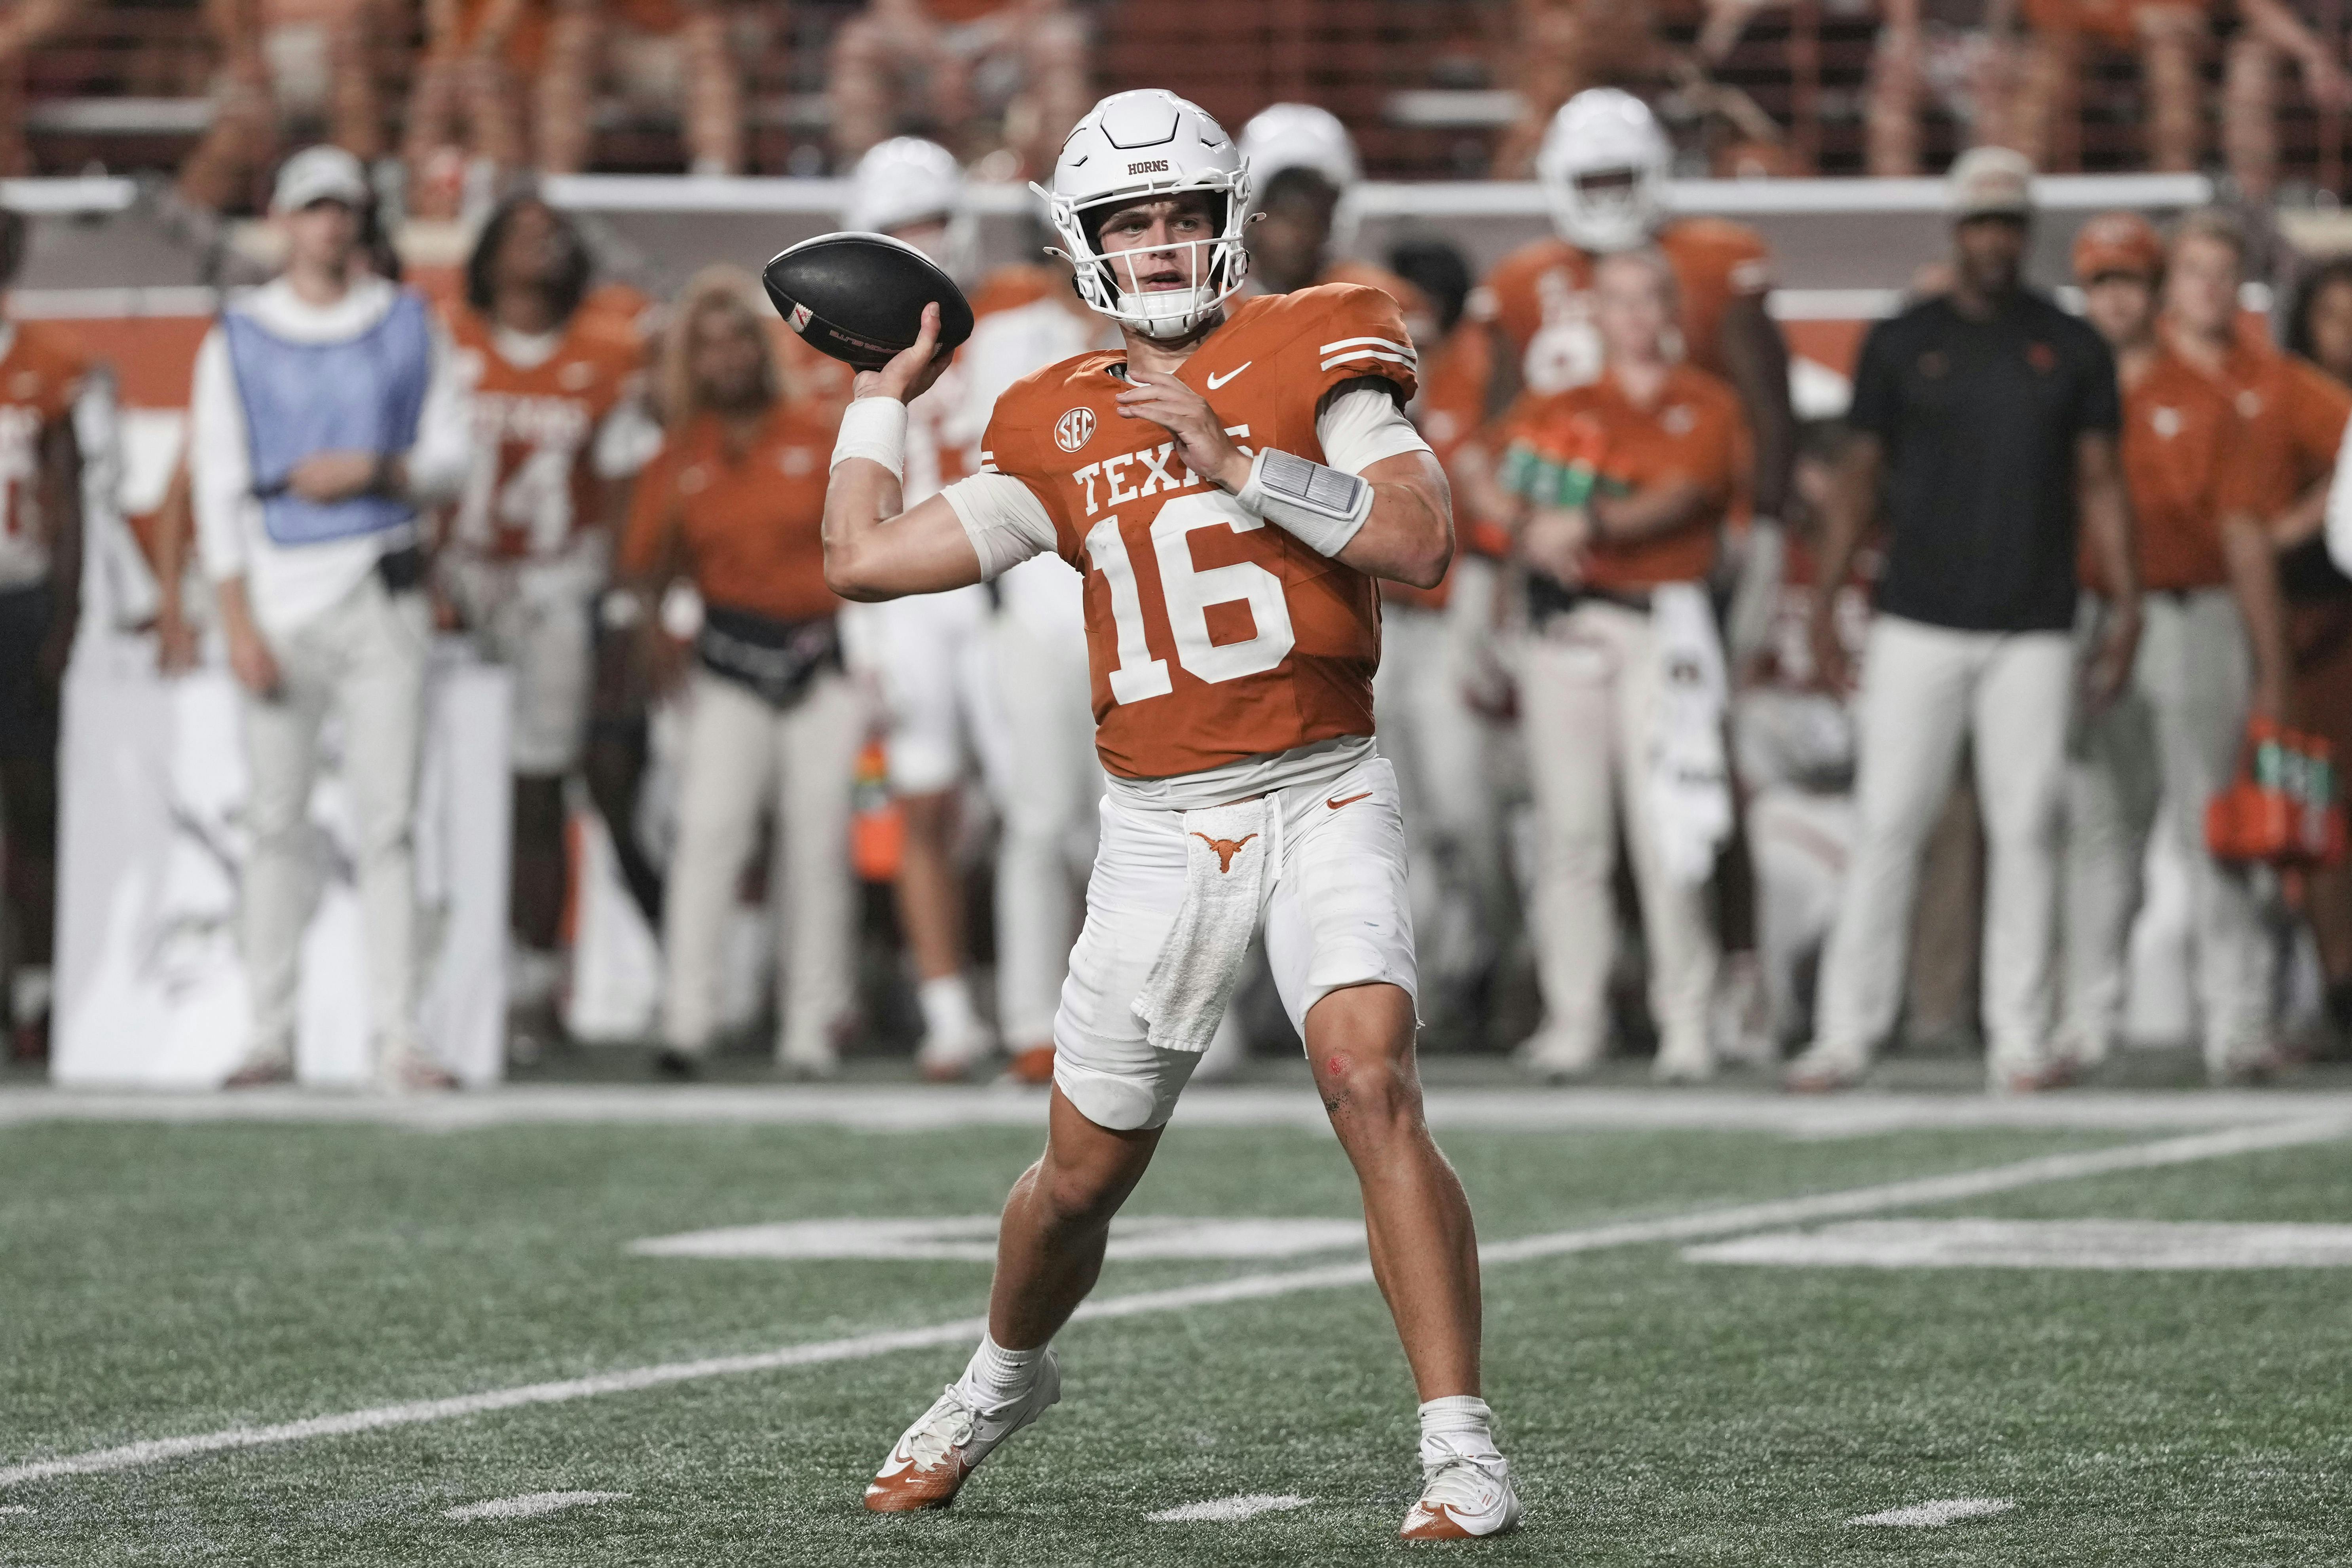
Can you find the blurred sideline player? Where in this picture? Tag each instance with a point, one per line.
(1304, 165)
(1232, 631)
(929, 653)
(41, 372)
(1603, 166)
(1052, 783)
(558, 433)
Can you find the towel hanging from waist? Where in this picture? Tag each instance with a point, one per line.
(1227, 851)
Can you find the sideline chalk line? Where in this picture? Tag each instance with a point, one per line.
(1685, 1227)
(531, 1505)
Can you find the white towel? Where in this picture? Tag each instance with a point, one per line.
(1689, 787)
(1191, 983)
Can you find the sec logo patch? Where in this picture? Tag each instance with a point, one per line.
(1074, 429)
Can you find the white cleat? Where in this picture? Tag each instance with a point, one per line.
(1463, 1500)
(949, 1440)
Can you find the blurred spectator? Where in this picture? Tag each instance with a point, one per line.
(2319, 622)
(1053, 780)
(41, 372)
(1560, 48)
(673, 53)
(27, 25)
(466, 98)
(1992, 416)
(326, 409)
(1792, 738)
(940, 65)
(735, 503)
(2213, 652)
(281, 59)
(1626, 481)
(928, 652)
(558, 432)
(2171, 38)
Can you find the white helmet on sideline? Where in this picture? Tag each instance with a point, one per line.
(1137, 146)
(905, 181)
(1603, 167)
(1299, 136)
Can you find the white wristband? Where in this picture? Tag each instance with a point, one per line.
(874, 428)
(1321, 508)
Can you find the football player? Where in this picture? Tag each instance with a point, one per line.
(559, 430)
(41, 373)
(1232, 485)
(929, 653)
(1603, 167)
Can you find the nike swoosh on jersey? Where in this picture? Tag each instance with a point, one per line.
(1336, 804)
(1217, 381)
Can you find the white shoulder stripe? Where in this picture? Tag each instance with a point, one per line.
(1404, 349)
(1404, 360)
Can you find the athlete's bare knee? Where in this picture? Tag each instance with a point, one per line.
(1075, 1200)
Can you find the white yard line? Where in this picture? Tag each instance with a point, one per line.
(1242, 1288)
(531, 1505)
(1228, 1509)
(1934, 1515)
(912, 1108)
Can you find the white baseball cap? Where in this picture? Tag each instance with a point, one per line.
(1990, 182)
(322, 173)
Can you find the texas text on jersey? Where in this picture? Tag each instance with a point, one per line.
(1211, 637)
(533, 482)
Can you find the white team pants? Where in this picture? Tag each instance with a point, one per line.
(2171, 740)
(1924, 690)
(1588, 688)
(536, 618)
(1439, 744)
(362, 660)
(1053, 783)
(741, 756)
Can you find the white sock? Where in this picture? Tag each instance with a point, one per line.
(1458, 1426)
(948, 1012)
(997, 1377)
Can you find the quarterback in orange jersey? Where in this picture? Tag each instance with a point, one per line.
(41, 372)
(1232, 485)
(558, 432)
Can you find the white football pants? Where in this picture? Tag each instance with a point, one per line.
(741, 755)
(1925, 690)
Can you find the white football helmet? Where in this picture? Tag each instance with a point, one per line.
(1300, 136)
(1603, 167)
(1134, 146)
(908, 180)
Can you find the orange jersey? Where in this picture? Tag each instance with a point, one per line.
(750, 524)
(1212, 635)
(1694, 432)
(1542, 301)
(2293, 414)
(532, 486)
(2183, 446)
(40, 376)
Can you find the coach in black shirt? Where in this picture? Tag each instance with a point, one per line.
(1988, 420)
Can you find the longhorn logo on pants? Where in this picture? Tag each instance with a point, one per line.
(1225, 849)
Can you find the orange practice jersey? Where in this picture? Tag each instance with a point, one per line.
(2294, 413)
(40, 376)
(2183, 448)
(1542, 301)
(750, 525)
(1212, 635)
(532, 487)
(1694, 432)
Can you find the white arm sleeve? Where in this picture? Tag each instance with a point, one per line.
(220, 476)
(1360, 426)
(1004, 519)
(2339, 508)
(438, 462)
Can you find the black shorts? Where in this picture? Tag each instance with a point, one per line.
(28, 715)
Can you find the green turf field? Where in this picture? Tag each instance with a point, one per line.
(160, 1281)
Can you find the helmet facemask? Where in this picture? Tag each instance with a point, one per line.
(1106, 280)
